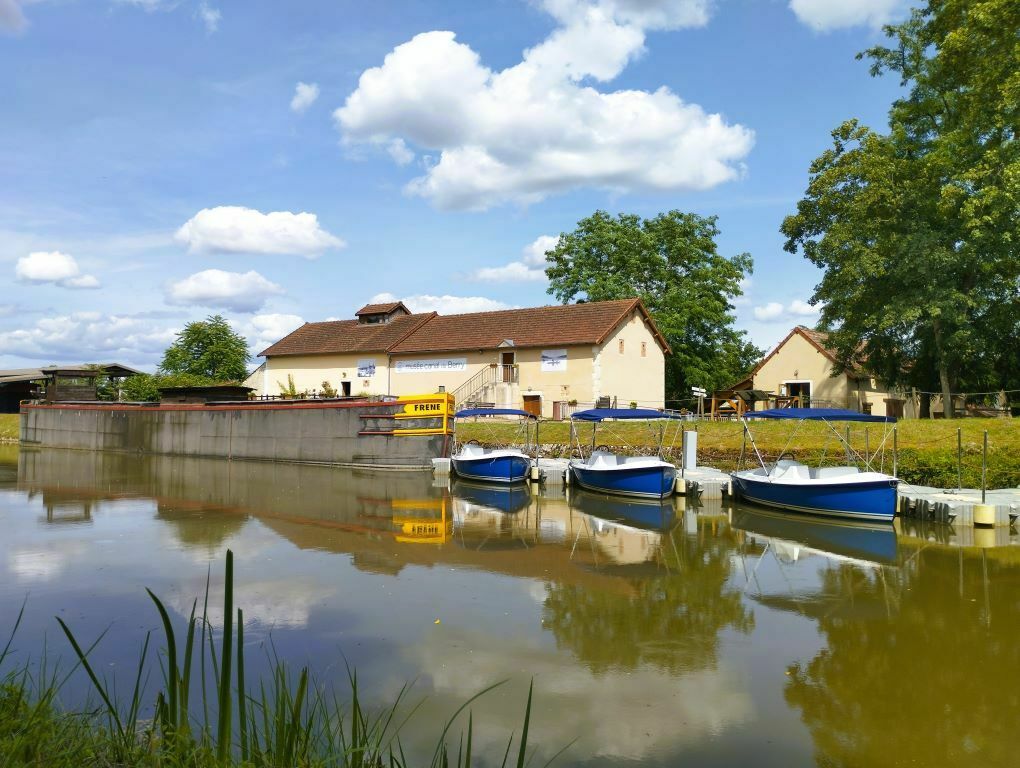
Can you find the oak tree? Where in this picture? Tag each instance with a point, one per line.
(671, 262)
(917, 229)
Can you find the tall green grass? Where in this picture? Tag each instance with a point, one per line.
(284, 719)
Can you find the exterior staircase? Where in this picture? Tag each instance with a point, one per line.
(495, 385)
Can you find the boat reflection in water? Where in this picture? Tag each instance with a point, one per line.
(651, 514)
(505, 498)
(793, 535)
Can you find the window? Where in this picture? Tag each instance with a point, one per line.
(644, 349)
(621, 346)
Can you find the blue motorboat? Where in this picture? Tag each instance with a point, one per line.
(844, 491)
(603, 471)
(491, 465)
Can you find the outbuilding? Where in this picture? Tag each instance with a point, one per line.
(546, 360)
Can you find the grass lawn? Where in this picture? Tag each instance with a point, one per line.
(9, 426)
(927, 448)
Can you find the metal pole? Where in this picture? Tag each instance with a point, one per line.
(984, 467)
(867, 449)
(847, 444)
(959, 459)
(894, 453)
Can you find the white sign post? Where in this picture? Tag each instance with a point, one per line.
(700, 393)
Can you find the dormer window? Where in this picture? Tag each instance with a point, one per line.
(381, 313)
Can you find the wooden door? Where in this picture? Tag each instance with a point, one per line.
(533, 405)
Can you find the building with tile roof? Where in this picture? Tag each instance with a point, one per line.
(544, 359)
(802, 365)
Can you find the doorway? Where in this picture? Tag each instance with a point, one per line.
(506, 360)
(345, 388)
(801, 389)
(533, 405)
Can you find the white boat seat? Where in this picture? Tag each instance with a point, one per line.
(793, 470)
(472, 450)
(821, 473)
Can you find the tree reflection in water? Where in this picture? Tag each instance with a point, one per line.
(921, 663)
(670, 619)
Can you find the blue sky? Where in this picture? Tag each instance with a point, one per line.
(162, 160)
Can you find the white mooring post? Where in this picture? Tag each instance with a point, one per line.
(690, 449)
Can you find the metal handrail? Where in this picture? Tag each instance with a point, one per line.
(494, 373)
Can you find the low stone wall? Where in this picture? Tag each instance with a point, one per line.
(354, 434)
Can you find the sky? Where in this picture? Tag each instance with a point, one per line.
(277, 163)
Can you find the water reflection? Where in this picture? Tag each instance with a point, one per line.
(655, 635)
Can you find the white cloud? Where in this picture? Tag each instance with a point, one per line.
(90, 336)
(53, 267)
(534, 129)
(796, 309)
(209, 16)
(530, 268)
(305, 95)
(400, 152)
(262, 331)
(771, 311)
(827, 15)
(444, 305)
(240, 291)
(235, 229)
(12, 17)
(803, 309)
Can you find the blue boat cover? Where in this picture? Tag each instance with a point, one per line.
(491, 412)
(598, 414)
(818, 414)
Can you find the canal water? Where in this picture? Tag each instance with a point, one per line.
(655, 635)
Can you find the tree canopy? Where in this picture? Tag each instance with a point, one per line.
(917, 229)
(672, 263)
(208, 348)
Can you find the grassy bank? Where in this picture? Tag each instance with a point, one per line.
(206, 713)
(9, 426)
(926, 448)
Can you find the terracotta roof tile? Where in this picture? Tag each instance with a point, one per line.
(564, 324)
(381, 309)
(339, 336)
(560, 325)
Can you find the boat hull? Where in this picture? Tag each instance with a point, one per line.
(872, 500)
(493, 469)
(656, 482)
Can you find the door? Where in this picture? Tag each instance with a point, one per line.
(345, 388)
(533, 405)
(801, 389)
(507, 361)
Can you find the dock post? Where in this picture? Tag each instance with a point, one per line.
(894, 452)
(984, 514)
(959, 459)
(690, 450)
(984, 468)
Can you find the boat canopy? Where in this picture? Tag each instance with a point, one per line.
(492, 412)
(817, 414)
(598, 414)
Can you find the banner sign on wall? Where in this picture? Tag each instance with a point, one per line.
(554, 360)
(438, 365)
(366, 368)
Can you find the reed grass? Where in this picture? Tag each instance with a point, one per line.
(283, 719)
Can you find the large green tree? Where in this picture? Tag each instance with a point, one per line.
(208, 348)
(918, 229)
(673, 264)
